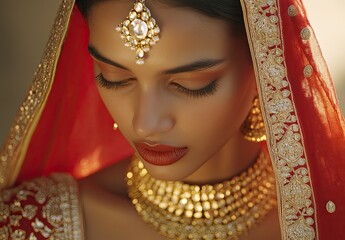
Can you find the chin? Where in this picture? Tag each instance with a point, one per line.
(166, 173)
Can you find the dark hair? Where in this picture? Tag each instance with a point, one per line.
(228, 10)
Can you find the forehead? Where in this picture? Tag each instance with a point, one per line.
(186, 35)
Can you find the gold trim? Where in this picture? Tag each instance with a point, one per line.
(73, 216)
(45, 207)
(14, 150)
(285, 141)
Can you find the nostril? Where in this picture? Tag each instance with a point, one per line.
(152, 115)
(152, 124)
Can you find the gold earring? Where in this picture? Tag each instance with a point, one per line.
(139, 30)
(115, 126)
(253, 128)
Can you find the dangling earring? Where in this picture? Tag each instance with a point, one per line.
(253, 128)
(115, 126)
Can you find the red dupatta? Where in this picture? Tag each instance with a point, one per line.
(305, 128)
(71, 128)
(63, 125)
(75, 121)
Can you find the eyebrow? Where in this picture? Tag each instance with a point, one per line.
(99, 57)
(190, 67)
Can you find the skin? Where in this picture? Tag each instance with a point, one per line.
(150, 108)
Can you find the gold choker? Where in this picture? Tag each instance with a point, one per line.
(221, 211)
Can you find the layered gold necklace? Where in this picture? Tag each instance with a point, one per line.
(221, 211)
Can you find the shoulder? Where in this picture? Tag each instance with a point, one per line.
(42, 208)
(108, 213)
(110, 179)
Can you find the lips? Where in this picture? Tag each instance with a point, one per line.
(160, 155)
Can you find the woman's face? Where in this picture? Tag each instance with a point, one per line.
(193, 92)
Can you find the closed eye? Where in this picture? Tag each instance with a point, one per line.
(114, 85)
(209, 90)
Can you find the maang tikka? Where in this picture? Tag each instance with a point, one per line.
(139, 30)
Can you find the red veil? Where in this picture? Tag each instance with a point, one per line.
(64, 126)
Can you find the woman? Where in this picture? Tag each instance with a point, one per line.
(197, 179)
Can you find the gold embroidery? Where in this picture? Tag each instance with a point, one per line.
(308, 71)
(300, 229)
(284, 139)
(330, 206)
(4, 234)
(18, 235)
(305, 33)
(48, 205)
(14, 150)
(292, 11)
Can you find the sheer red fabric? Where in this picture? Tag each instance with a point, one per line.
(320, 118)
(75, 132)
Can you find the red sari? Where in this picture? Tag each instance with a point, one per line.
(63, 125)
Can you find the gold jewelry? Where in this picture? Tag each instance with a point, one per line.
(220, 211)
(139, 30)
(115, 126)
(253, 128)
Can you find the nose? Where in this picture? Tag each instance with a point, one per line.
(152, 116)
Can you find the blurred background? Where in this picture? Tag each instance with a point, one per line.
(25, 25)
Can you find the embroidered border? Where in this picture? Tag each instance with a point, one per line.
(46, 207)
(17, 142)
(285, 139)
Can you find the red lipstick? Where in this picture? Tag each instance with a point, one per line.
(160, 155)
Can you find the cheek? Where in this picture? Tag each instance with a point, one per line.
(225, 112)
(116, 106)
(211, 120)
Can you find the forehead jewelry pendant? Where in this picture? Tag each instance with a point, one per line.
(139, 30)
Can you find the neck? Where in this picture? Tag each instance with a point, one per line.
(235, 157)
(227, 209)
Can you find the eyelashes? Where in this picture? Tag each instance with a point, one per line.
(102, 82)
(208, 90)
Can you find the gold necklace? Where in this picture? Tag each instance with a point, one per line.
(221, 211)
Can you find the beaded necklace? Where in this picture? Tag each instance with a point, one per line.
(224, 210)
